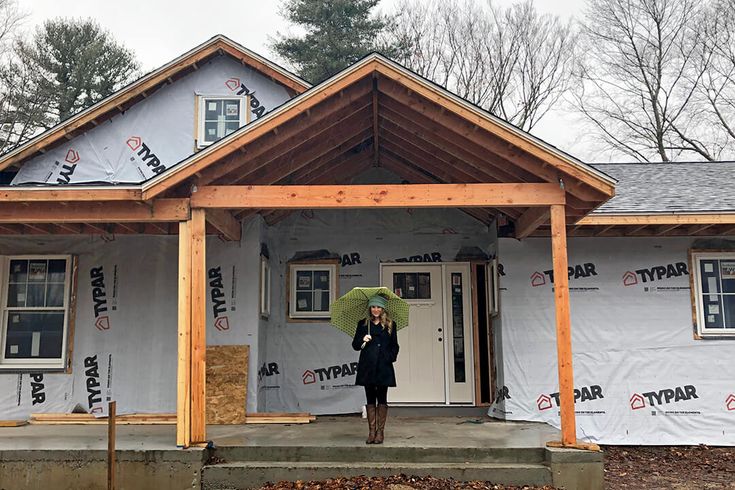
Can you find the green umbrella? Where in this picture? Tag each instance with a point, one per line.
(353, 307)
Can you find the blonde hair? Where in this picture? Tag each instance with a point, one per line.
(385, 320)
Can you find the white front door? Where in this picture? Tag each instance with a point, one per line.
(434, 364)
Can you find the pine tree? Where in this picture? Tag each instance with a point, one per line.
(338, 33)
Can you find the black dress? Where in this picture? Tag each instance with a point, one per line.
(377, 357)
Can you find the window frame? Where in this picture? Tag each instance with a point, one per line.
(26, 364)
(695, 256)
(266, 280)
(293, 268)
(243, 100)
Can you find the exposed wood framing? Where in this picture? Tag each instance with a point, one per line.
(225, 223)
(563, 326)
(376, 131)
(97, 212)
(63, 194)
(183, 387)
(530, 221)
(377, 196)
(657, 219)
(198, 327)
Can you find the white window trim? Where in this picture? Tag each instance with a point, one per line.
(492, 288)
(16, 364)
(696, 283)
(265, 287)
(202, 100)
(293, 269)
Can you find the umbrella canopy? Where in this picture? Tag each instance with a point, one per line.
(348, 310)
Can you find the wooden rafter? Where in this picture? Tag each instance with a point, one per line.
(377, 196)
(225, 224)
(530, 221)
(658, 219)
(64, 194)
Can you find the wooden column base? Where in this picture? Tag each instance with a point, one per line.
(587, 446)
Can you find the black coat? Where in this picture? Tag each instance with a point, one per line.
(377, 357)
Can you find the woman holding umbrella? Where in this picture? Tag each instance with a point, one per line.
(377, 341)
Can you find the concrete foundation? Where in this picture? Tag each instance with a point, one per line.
(460, 447)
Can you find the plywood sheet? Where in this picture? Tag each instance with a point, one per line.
(227, 383)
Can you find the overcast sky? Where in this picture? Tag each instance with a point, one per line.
(160, 30)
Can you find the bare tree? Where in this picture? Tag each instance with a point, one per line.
(512, 62)
(717, 87)
(640, 77)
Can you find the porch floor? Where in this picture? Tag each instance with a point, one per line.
(327, 431)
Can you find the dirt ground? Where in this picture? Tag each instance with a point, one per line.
(626, 467)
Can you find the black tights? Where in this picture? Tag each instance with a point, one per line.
(379, 393)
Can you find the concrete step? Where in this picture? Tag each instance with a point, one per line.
(253, 474)
(378, 453)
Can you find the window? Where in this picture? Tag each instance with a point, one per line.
(412, 285)
(35, 311)
(220, 116)
(713, 275)
(265, 287)
(312, 289)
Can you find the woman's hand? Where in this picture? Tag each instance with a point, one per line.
(367, 338)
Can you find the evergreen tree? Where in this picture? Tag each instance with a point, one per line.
(337, 33)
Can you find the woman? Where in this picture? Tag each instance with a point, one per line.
(377, 342)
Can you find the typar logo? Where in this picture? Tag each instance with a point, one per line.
(239, 88)
(99, 298)
(655, 273)
(146, 155)
(308, 377)
(537, 279)
(67, 170)
(577, 271)
(329, 372)
(543, 402)
(94, 388)
(583, 394)
(730, 402)
(663, 397)
(72, 156)
(630, 279)
(269, 369)
(351, 259)
(502, 394)
(37, 387)
(218, 297)
(426, 257)
(637, 402)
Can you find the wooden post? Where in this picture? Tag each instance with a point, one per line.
(183, 390)
(198, 327)
(563, 326)
(111, 445)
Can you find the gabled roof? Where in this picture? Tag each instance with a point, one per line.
(146, 85)
(672, 187)
(511, 145)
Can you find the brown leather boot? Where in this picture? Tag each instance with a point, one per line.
(371, 416)
(382, 415)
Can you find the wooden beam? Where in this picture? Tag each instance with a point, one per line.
(228, 226)
(95, 212)
(377, 196)
(563, 326)
(33, 194)
(658, 219)
(376, 132)
(530, 221)
(183, 384)
(198, 327)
